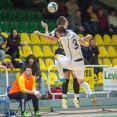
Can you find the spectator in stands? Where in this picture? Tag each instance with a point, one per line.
(89, 20)
(71, 6)
(39, 4)
(62, 9)
(83, 4)
(20, 4)
(113, 19)
(2, 41)
(24, 89)
(32, 62)
(103, 24)
(75, 22)
(91, 53)
(13, 42)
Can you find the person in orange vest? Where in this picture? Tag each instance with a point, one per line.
(24, 89)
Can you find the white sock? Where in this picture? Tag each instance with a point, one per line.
(64, 95)
(76, 95)
(86, 87)
(60, 69)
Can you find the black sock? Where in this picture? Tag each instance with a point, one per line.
(23, 112)
(65, 86)
(76, 86)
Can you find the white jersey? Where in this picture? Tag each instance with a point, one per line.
(71, 46)
(53, 34)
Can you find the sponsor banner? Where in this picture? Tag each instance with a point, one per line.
(110, 79)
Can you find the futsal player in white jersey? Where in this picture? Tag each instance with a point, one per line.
(64, 73)
(73, 59)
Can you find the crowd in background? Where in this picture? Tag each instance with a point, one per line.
(82, 18)
(82, 15)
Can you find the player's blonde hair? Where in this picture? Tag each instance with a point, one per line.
(61, 21)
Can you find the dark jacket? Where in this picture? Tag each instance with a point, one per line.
(13, 44)
(87, 53)
(35, 69)
(85, 17)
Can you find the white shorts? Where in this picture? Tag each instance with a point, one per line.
(76, 67)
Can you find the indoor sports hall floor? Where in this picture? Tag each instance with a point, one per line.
(83, 115)
(89, 113)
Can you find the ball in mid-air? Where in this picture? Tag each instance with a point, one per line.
(52, 7)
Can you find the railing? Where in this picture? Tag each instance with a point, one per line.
(96, 92)
(7, 81)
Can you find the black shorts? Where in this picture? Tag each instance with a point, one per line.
(65, 70)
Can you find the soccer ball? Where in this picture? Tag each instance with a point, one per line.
(52, 7)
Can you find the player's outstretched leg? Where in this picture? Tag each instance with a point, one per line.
(86, 87)
(64, 95)
(76, 93)
(60, 70)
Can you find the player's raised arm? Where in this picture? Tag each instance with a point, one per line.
(88, 37)
(82, 42)
(50, 38)
(46, 27)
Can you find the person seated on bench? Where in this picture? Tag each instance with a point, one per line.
(24, 89)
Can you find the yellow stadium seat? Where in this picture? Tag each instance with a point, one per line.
(111, 51)
(114, 39)
(81, 35)
(50, 62)
(107, 40)
(7, 60)
(3, 70)
(47, 51)
(54, 49)
(107, 62)
(42, 65)
(99, 40)
(26, 51)
(100, 62)
(4, 46)
(34, 39)
(16, 69)
(100, 76)
(0, 63)
(25, 38)
(4, 34)
(17, 75)
(114, 62)
(37, 51)
(53, 77)
(44, 41)
(45, 78)
(18, 59)
(103, 52)
(20, 53)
